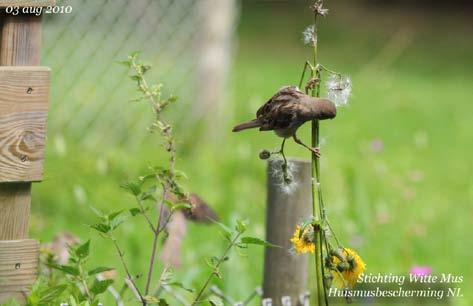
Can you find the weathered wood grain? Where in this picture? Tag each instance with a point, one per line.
(284, 273)
(14, 205)
(24, 95)
(20, 46)
(23, 3)
(21, 40)
(18, 268)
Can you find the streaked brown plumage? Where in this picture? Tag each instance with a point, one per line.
(200, 211)
(287, 110)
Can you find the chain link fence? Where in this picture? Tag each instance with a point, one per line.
(90, 92)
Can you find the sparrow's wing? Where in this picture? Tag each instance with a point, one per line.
(281, 116)
(280, 111)
(285, 95)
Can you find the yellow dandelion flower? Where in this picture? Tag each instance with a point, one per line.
(304, 242)
(351, 269)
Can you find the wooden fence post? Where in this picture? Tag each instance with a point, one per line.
(286, 274)
(24, 95)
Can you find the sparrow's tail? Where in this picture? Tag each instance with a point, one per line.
(247, 125)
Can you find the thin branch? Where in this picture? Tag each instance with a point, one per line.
(156, 232)
(157, 106)
(306, 65)
(322, 67)
(215, 271)
(127, 271)
(143, 212)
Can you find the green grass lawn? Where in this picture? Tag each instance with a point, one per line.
(396, 162)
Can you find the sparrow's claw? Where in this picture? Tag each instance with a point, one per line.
(316, 151)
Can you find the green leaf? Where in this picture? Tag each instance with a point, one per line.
(82, 251)
(126, 63)
(134, 54)
(66, 269)
(114, 215)
(212, 261)
(179, 173)
(215, 301)
(147, 177)
(181, 206)
(97, 212)
(172, 99)
(100, 286)
(257, 241)
(132, 187)
(33, 300)
(147, 196)
(145, 68)
(117, 221)
(101, 227)
(224, 227)
(154, 300)
(139, 99)
(168, 203)
(72, 301)
(99, 270)
(180, 285)
(49, 295)
(241, 226)
(135, 211)
(163, 302)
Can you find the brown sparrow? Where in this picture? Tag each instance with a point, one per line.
(286, 111)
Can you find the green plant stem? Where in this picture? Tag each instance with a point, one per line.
(317, 203)
(156, 233)
(83, 281)
(167, 134)
(220, 260)
(127, 271)
(143, 212)
(328, 70)
(306, 65)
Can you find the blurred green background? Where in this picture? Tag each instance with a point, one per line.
(396, 162)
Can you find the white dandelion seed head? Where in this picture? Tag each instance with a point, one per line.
(309, 35)
(319, 9)
(286, 183)
(289, 187)
(323, 12)
(339, 89)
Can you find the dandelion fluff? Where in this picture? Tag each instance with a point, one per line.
(309, 35)
(289, 187)
(285, 181)
(339, 89)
